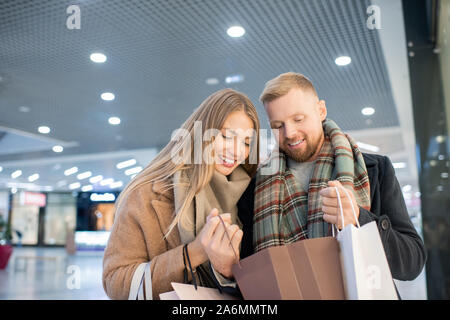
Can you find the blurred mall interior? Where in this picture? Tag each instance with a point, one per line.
(89, 94)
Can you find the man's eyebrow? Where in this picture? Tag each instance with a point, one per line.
(292, 116)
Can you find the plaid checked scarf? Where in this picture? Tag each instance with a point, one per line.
(284, 214)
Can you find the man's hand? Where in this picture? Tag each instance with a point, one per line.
(330, 205)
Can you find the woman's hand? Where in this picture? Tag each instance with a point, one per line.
(216, 245)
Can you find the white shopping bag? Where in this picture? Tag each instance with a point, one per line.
(365, 269)
(188, 292)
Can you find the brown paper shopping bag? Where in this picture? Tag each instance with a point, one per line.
(305, 270)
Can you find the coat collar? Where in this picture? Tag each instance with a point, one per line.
(163, 204)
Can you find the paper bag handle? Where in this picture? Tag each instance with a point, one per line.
(342, 210)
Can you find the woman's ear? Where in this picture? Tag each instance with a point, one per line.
(322, 110)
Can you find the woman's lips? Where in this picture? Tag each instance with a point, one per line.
(226, 162)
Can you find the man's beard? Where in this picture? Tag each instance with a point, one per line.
(302, 156)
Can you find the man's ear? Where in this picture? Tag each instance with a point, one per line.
(322, 110)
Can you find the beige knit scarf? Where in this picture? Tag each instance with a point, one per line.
(222, 193)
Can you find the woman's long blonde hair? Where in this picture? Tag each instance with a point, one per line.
(212, 114)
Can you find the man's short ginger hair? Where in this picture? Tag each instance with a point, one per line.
(282, 84)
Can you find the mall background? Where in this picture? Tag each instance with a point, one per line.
(86, 104)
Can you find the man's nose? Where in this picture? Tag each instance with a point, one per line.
(289, 131)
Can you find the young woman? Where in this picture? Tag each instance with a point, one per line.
(169, 213)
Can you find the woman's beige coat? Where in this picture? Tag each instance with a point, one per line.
(138, 236)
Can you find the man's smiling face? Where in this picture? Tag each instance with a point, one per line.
(297, 122)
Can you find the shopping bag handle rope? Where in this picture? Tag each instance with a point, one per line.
(342, 210)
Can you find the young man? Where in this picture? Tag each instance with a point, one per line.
(315, 157)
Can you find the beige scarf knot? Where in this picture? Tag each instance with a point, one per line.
(221, 193)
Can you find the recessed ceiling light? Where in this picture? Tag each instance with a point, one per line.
(58, 149)
(1, 168)
(367, 147)
(24, 109)
(115, 185)
(96, 179)
(16, 174)
(62, 183)
(108, 96)
(368, 111)
(98, 57)
(44, 129)
(70, 171)
(33, 177)
(399, 165)
(343, 61)
(105, 182)
(74, 185)
(86, 188)
(236, 31)
(134, 170)
(440, 139)
(84, 175)
(114, 121)
(212, 81)
(13, 190)
(234, 79)
(407, 188)
(125, 164)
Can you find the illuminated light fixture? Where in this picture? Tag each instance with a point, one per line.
(134, 170)
(58, 149)
(74, 185)
(399, 165)
(343, 61)
(105, 182)
(407, 188)
(115, 185)
(440, 139)
(234, 79)
(114, 121)
(367, 147)
(1, 169)
(212, 81)
(236, 31)
(62, 183)
(96, 179)
(16, 174)
(125, 164)
(444, 175)
(368, 111)
(24, 109)
(13, 190)
(33, 177)
(84, 175)
(86, 188)
(441, 157)
(103, 197)
(71, 171)
(98, 57)
(44, 129)
(108, 96)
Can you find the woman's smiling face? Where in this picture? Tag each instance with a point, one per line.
(232, 145)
